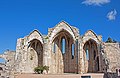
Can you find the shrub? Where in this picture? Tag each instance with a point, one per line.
(46, 68)
(40, 69)
(37, 70)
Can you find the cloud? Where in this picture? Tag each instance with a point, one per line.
(112, 15)
(95, 2)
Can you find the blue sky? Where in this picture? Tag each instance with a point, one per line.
(19, 17)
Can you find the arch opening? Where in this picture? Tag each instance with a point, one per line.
(73, 50)
(64, 51)
(63, 45)
(91, 60)
(36, 53)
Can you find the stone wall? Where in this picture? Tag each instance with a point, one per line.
(112, 51)
(36, 49)
(62, 62)
(9, 64)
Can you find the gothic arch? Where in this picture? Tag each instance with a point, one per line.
(35, 54)
(91, 56)
(90, 35)
(63, 60)
(58, 28)
(35, 35)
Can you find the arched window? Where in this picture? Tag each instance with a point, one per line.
(73, 50)
(63, 47)
(87, 54)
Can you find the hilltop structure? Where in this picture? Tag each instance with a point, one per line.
(64, 50)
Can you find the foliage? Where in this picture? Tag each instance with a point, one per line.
(46, 68)
(110, 40)
(47, 37)
(114, 41)
(37, 70)
(40, 69)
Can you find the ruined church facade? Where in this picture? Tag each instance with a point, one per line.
(64, 50)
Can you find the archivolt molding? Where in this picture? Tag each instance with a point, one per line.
(90, 35)
(58, 28)
(35, 35)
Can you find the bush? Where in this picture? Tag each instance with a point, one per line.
(46, 68)
(40, 69)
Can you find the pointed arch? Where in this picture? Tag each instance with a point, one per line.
(35, 34)
(64, 37)
(36, 53)
(90, 54)
(60, 27)
(90, 35)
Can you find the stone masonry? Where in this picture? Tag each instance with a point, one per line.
(64, 50)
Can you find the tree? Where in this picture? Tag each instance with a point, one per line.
(109, 40)
(114, 41)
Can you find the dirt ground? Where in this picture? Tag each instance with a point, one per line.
(58, 76)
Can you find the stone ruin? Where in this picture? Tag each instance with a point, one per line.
(64, 50)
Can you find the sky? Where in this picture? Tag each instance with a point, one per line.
(20, 17)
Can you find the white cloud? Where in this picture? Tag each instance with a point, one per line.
(112, 15)
(95, 2)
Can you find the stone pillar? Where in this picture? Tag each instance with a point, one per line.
(45, 54)
(81, 60)
(76, 55)
(100, 59)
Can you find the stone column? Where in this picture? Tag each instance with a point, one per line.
(99, 54)
(81, 60)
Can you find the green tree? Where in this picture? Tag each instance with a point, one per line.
(114, 41)
(109, 40)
